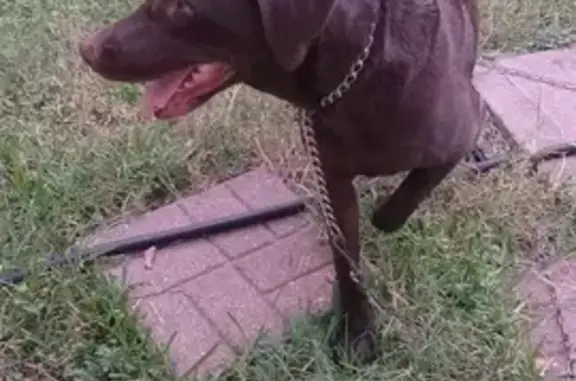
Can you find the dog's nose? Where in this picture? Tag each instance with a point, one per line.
(87, 51)
(97, 49)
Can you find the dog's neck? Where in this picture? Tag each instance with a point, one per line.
(343, 40)
(329, 58)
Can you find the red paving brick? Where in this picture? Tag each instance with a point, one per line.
(546, 335)
(285, 260)
(563, 274)
(310, 293)
(234, 306)
(174, 322)
(259, 189)
(535, 114)
(223, 291)
(219, 202)
(535, 289)
(164, 218)
(553, 315)
(172, 265)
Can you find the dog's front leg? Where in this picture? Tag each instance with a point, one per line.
(357, 317)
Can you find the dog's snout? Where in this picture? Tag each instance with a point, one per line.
(99, 48)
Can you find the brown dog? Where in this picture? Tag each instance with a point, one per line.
(411, 108)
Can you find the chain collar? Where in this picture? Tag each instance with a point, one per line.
(353, 73)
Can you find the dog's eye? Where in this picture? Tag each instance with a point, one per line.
(182, 11)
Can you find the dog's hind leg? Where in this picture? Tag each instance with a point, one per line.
(392, 212)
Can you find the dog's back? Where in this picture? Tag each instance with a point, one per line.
(414, 104)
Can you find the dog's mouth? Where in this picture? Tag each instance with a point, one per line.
(180, 92)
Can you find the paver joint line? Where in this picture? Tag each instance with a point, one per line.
(205, 316)
(231, 257)
(248, 206)
(300, 276)
(559, 320)
(530, 97)
(205, 274)
(491, 64)
(260, 293)
(228, 260)
(193, 369)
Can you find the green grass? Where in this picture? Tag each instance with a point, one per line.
(74, 154)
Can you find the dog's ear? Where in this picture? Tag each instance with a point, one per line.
(291, 25)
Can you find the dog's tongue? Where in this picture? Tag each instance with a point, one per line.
(159, 92)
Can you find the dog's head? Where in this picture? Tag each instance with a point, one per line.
(189, 50)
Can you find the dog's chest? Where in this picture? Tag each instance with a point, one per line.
(371, 133)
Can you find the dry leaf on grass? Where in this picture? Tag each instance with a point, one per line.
(149, 256)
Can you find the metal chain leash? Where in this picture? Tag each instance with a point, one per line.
(335, 235)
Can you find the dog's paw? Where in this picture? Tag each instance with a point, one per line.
(364, 347)
(355, 340)
(386, 217)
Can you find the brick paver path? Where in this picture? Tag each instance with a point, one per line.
(209, 296)
(551, 297)
(535, 114)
